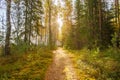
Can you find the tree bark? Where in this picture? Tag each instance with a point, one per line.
(117, 21)
(26, 21)
(50, 31)
(18, 20)
(100, 20)
(7, 40)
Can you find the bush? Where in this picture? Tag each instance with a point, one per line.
(112, 53)
(32, 65)
(101, 65)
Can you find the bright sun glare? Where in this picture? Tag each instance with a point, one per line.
(60, 23)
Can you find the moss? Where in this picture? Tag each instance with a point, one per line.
(25, 66)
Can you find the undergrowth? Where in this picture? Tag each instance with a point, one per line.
(27, 66)
(97, 65)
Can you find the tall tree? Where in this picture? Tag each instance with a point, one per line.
(67, 24)
(8, 33)
(117, 14)
(26, 21)
(100, 20)
(50, 29)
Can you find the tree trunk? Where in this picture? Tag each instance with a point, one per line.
(18, 20)
(50, 32)
(117, 21)
(100, 21)
(7, 40)
(26, 21)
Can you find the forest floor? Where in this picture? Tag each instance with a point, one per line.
(83, 65)
(95, 64)
(62, 67)
(61, 64)
(27, 66)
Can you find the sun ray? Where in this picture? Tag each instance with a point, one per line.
(60, 23)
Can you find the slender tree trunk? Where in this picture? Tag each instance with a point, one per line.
(26, 21)
(78, 25)
(7, 40)
(30, 29)
(118, 14)
(117, 21)
(18, 20)
(100, 20)
(45, 37)
(50, 31)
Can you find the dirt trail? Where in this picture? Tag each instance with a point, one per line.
(61, 68)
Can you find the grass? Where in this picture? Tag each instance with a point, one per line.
(96, 64)
(28, 66)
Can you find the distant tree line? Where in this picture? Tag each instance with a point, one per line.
(29, 22)
(94, 23)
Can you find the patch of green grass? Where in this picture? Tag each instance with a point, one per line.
(31, 65)
(96, 64)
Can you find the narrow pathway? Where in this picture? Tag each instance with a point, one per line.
(61, 68)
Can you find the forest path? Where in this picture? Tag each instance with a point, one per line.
(61, 68)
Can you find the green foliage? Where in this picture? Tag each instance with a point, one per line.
(1, 51)
(114, 40)
(99, 65)
(19, 49)
(31, 65)
(86, 29)
(113, 52)
(1, 38)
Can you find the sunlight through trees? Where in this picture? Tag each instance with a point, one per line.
(34, 26)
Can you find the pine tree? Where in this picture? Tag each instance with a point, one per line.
(8, 33)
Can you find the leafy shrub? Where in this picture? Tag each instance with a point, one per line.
(101, 65)
(32, 65)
